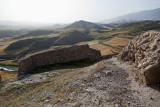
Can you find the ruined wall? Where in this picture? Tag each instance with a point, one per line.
(144, 50)
(62, 55)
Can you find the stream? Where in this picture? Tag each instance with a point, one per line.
(8, 68)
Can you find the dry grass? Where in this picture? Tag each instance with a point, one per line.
(105, 50)
(8, 62)
(3, 44)
(2, 47)
(118, 41)
(6, 76)
(55, 85)
(114, 32)
(58, 87)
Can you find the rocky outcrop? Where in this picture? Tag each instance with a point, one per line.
(57, 56)
(144, 50)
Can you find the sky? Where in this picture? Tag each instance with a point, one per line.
(67, 11)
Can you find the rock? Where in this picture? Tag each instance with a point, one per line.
(144, 50)
(116, 105)
(48, 105)
(152, 74)
(46, 101)
(63, 55)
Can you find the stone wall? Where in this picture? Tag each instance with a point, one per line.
(144, 50)
(57, 56)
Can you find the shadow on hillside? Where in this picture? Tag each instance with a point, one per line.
(59, 67)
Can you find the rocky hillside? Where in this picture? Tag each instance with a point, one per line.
(108, 83)
(144, 50)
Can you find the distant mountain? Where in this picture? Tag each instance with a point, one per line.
(83, 25)
(20, 24)
(138, 16)
(56, 26)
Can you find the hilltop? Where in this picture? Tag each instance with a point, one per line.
(83, 25)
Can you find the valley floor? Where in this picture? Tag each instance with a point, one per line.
(108, 83)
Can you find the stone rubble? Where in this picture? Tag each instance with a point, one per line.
(144, 50)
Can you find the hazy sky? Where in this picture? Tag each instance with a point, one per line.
(66, 11)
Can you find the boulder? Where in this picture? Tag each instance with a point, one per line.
(144, 50)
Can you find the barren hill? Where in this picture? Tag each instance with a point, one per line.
(84, 25)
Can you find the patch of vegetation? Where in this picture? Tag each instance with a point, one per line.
(58, 88)
(119, 91)
(145, 26)
(106, 37)
(1, 85)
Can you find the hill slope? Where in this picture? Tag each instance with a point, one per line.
(72, 37)
(35, 33)
(37, 44)
(107, 83)
(10, 32)
(83, 25)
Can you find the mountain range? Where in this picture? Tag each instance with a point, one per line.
(153, 14)
(138, 16)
